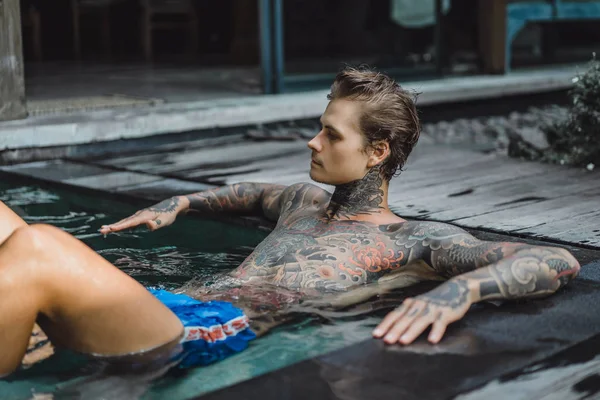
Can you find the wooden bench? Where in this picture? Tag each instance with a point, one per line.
(501, 20)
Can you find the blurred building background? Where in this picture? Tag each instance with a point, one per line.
(83, 53)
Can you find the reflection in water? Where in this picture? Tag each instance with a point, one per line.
(543, 381)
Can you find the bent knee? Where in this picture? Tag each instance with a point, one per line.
(34, 238)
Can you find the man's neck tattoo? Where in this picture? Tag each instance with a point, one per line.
(363, 196)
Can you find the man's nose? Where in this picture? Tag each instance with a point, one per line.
(315, 144)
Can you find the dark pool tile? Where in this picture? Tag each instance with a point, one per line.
(56, 171)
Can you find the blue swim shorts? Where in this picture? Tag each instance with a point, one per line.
(213, 331)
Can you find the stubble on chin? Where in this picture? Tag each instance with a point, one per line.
(315, 178)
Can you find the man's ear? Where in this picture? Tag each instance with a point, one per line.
(379, 152)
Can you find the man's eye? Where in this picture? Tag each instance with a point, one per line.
(331, 136)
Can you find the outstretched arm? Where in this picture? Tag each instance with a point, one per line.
(477, 270)
(242, 198)
(245, 198)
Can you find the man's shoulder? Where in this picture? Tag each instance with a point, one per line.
(425, 229)
(304, 193)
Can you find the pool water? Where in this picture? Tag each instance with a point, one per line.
(192, 248)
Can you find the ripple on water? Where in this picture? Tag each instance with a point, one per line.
(169, 266)
(27, 195)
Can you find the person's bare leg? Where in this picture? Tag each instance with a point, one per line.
(80, 300)
(39, 347)
(10, 222)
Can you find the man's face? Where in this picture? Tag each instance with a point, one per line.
(338, 154)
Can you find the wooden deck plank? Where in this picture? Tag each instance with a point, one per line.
(291, 163)
(559, 226)
(442, 173)
(585, 237)
(206, 159)
(588, 237)
(503, 194)
(451, 187)
(528, 216)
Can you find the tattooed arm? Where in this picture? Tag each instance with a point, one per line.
(242, 198)
(264, 199)
(478, 270)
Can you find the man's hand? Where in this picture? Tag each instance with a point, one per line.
(440, 307)
(155, 217)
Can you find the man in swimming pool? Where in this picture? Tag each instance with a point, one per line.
(322, 242)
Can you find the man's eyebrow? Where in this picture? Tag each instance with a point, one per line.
(333, 128)
(328, 126)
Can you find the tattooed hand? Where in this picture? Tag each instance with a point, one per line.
(155, 217)
(445, 304)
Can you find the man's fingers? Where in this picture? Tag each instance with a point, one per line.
(153, 225)
(437, 330)
(126, 223)
(416, 328)
(391, 318)
(402, 324)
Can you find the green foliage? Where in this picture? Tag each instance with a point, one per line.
(576, 140)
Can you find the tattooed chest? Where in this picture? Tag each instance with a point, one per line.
(312, 257)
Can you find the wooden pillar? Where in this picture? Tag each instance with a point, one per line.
(492, 35)
(12, 85)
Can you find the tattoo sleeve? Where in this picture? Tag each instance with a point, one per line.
(530, 272)
(496, 270)
(243, 198)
